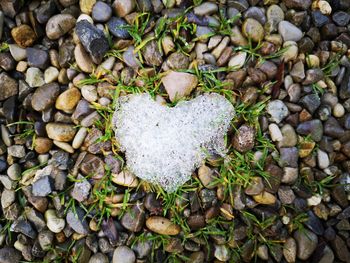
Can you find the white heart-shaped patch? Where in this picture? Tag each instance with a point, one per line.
(165, 145)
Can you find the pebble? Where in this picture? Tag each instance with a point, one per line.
(244, 138)
(163, 226)
(79, 138)
(9, 255)
(42, 187)
(256, 186)
(238, 60)
(206, 176)
(124, 7)
(54, 223)
(17, 52)
(83, 59)
(60, 132)
(265, 198)
(42, 145)
(93, 40)
(81, 189)
(338, 110)
(179, 84)
(68, 99)
(130, 58)
(306, 243)
(290, 250)
(34, 77)
(44, 97)
(322, 159)
(125, 178)
(134, 219)
(37, 58)
(8, 86)
(222, 253)
(7, 198)
(123, 254)
(206, 8)
(314, 128)
(251, 28)
(298, 4)
(99, 258)
(17, 151)
(51, 75)
(115, 26)
(289, 32)
(275, 13)
(275, 132)
(289, 137)
(341, 18)
(76, 220)
(89, 92)
(277, 110)
(14, 171)
(59, 25)
(101, 12)
(23, 35)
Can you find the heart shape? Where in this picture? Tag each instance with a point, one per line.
(165, 145)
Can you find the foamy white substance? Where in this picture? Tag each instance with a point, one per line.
(165, 145)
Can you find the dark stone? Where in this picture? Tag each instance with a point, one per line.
(311, 102)
(344, 92)
(66, 54)
(297, 4)
(340, 249)
(37, 58)
(45, 11)
(289, 157)
(340, 196)
(24, 227)
(341, 18)
(118, 28)
(196, 222)
(329, 233)
(45, 96)
(306, 45)
(201, 21)
(314, 224)
(3, 165)
(332, 128)
(329, 31)
(93, 40)
(274, 178)
(312, 127)
(9, 255)
(82, 110)
(42, 187)
(134, 219)
(7, 62)
(109, 229)
(318, 18)
(8, 86)
(344, 214)
(10, 109)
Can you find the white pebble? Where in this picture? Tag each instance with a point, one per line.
(238, 60)
(89, 93)
(51, 74)
(79, 138)
(314, 200)
(64, 146)
(324, 7)
(322, 159)
(85, 17)
(275, 132)
(338, 110)
(54, 223)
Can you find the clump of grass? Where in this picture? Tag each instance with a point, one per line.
(4, 47)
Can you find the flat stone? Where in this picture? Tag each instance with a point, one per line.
(161, 225)
(42, 187)
(77, 222)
